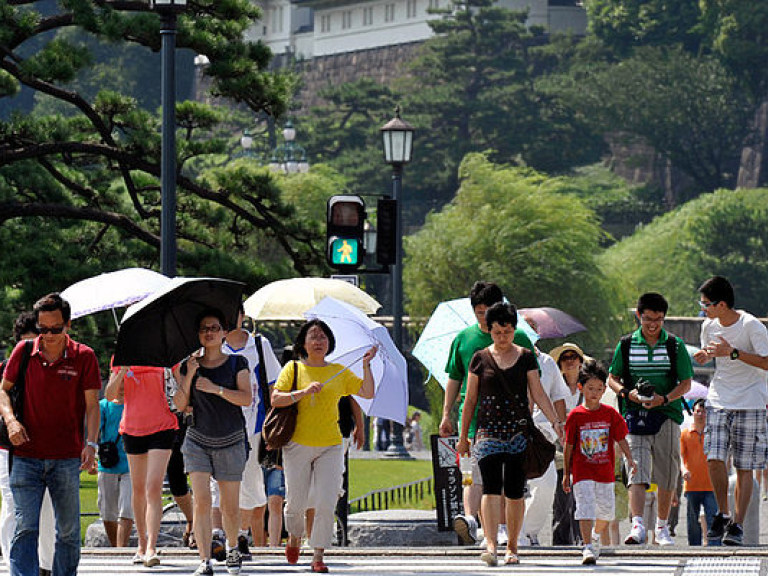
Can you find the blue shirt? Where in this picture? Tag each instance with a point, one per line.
(111, 414)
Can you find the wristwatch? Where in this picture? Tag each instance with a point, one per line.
(93, 445)
(221, 391)
(734, 354)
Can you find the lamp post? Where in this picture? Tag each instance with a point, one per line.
(168, 10)
(398, 144)
(289, 157)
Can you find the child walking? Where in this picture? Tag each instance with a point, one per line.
(590, 433)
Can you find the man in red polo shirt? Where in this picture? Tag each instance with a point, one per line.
(62, 385)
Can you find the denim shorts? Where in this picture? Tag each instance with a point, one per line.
(224, 464)
(274, 482)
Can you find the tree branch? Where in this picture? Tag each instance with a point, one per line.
(10, 210)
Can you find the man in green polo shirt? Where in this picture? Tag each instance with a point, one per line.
(653, 419)
(473, 338)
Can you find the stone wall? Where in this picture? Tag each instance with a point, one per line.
(381, 64)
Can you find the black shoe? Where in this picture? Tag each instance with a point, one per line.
(734, 535)
(45, 572)
(218, 551)
(718, 526)
(242, 547)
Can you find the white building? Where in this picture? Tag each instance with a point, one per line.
(312, 28)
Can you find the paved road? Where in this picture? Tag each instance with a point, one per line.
(410, 562)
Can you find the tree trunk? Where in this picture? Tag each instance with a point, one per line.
(753, 168)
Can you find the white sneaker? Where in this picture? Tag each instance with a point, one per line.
(588, 555)
(662, 536)
(502, 537)
(466, 528)
(636, 535)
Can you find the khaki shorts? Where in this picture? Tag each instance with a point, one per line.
(114, 496)
(657, 457)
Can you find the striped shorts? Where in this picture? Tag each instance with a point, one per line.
(742, 433)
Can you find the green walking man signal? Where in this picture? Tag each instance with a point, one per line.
(344, 232)
(344, 252)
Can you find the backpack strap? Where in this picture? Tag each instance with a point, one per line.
(672, 355)
(263, 384)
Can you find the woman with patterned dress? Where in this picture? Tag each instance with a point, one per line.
(501, 378)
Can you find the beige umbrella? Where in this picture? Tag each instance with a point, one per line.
(289, 299)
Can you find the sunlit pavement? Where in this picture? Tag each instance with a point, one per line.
(647, 561)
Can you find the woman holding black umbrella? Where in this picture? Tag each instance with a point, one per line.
(315, 453)
(216, 385)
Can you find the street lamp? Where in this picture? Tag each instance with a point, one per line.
(289, 157)
(168, 10)
(397, 138)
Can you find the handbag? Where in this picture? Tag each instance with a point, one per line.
(539, 452)
(108, 456)
(280, 422)
(16, 395)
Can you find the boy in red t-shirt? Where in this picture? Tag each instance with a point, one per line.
(590, 432)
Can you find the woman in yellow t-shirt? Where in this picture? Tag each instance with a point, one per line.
(315, 453)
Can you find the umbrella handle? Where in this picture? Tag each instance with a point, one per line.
(343, 370)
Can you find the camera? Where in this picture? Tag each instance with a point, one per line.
(645, 390)
(189, 419)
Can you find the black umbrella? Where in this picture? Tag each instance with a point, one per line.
(160, 330)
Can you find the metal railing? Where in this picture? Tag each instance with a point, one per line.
(389, 497)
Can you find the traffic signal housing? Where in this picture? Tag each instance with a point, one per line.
(386, 231)
(344, 232)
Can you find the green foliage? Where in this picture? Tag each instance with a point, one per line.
(719, 233)
(690, 109)
(524, 231)
(80, 174)
(735, 30)
(626, 24)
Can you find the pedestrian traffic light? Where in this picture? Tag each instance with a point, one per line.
(344, 232)
(386, 231)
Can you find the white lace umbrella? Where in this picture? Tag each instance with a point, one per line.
(355, 334)
(290, 299)
(112, 290)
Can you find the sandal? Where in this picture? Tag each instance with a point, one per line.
(191, 541)
(489, 558)
(319, 567)
(511, 558)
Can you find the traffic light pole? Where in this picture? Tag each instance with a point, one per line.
(396, 450)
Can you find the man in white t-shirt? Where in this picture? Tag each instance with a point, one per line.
(738, 394)
(541, 491)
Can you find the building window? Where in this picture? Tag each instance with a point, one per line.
(389, 13)
(346, 19)
(411, 8)
(434, 4)
(368, 16)
(325, 23)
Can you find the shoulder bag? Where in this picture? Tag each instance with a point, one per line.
(539, 452)
(280, 422)
(16, 395)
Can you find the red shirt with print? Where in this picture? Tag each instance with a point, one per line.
(593, 434)
(54, 399)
